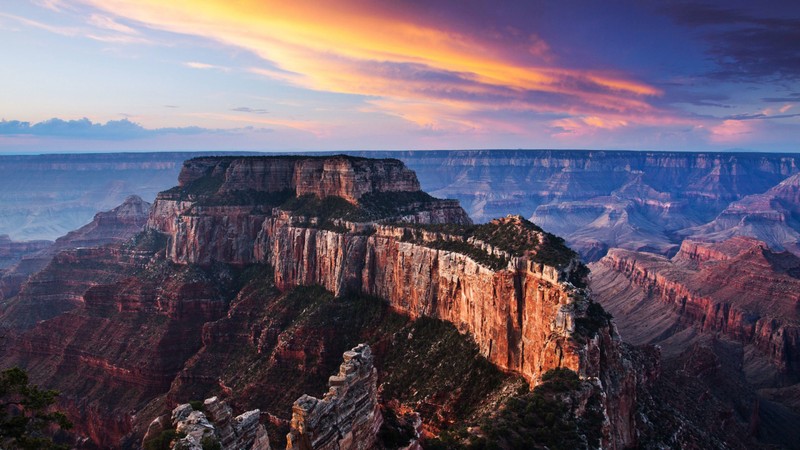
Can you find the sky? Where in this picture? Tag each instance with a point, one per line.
(261, 75)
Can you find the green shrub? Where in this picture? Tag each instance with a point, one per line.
(162, 441)
(196, 405)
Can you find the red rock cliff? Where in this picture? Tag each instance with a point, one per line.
(739, 288)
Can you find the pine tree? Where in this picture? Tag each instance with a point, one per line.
(27, 416)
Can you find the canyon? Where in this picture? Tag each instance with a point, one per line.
(727, 310)
(236, 249)
(253, 276)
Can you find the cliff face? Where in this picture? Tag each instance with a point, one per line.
(114, 340)
(739, 288)
(340, 176)
(521, 318)
(117, 225)
(725, 316)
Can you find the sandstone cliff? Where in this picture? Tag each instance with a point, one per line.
(739, 288)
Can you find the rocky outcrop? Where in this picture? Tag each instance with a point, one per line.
(215, 424)
(521, 317)
(117, 225)
(348, 416)
(220, 205)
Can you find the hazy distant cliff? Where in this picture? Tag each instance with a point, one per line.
(598, 200)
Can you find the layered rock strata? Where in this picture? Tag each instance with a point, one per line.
(114, 226)
(348, 416)
(213, 425)
(739, 288)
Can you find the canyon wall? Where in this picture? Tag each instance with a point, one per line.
(739, 288)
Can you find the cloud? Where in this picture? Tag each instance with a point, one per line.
(732, 131)
(791, 98)
(745, 45)
(205, 66)
(372, 50)
(86, 129)
(246, 109)
(762, 115)
(59, 30)
(101, 21)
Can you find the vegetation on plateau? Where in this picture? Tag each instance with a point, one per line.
(540, 419)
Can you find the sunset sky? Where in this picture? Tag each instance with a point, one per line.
(128, 75)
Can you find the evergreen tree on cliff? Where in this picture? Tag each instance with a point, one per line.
(27, 417)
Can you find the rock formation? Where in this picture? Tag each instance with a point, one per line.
(347, 417)
(213, 425)
(522, 313)
(739, 288)
(114, 226)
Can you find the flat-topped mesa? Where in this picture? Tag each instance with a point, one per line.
(348, 416)
(218, 209)
(341, 176)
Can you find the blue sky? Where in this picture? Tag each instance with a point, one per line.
(131, 75)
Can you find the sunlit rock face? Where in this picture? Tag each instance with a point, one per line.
(738, 287)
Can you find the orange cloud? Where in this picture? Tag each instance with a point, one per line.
(353, 47)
